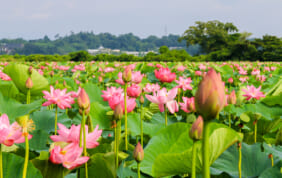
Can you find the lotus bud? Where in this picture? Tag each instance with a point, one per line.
(30, 70)
(65, 83)
(142, 99)
(232, 98)
(210, 96)
(51, 73)
(196, 131)
(86, 111)
(83, 100)
(138, 153)
(100, 79)
(118, 113)
(28, 83)
(126, 75)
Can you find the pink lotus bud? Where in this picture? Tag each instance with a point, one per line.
(100, 79)
(134, 91)
(141, 99)
(30, 70)
(51, 73)
(126, 75)
(83, 100)
(118, 113)
(210, 96)
(138, 153)
(28, 83)
(230, 80)
(232, 98)
(196, 131)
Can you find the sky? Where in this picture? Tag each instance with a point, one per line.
(33, 19)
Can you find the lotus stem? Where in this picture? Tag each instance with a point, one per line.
(240, 160)
(125, 116)
(165, 116)
(205, 151)
(1, 162)
(194, 149)
(229, 120)
(118, 130)
(141, 125)
(84, 141)
(138, 170)
(115, 149)
(56, 119)
(26, 155)
(28, 97)
(255, 136)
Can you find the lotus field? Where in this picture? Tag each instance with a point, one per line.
(104, 120)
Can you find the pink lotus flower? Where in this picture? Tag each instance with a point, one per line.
(163, 97)
(134, 91)
(108, 69)
(243, 79)
(198, 73)
(136, 77)
(242, 71)
(72, 135)
(4, 76)
(40, 71)
(119, 80)
(172, 106)
(119, 99)
(110, 92)
(151, 87)
(64, 68)
(59, 97)
(80, 67)
(253, 92)
(69, 156)
(180, 68)
(165, 75)
(10, 134)
(272, 68)
(256, 72)
(202, 67)
(184, 83)
(188, 105)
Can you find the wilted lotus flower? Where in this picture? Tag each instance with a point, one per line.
(138, 153)
(196, 131)
(210, 96)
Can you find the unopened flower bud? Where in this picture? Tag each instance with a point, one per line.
(118, 113)
(30, 70)
(83, 100)
(28, 83)
(141, 99)
(138, 153)
(126, 75)
(210, 96)
(86, 111)
(100, 79)
(270, 156)
(196, 131)
(232, 98)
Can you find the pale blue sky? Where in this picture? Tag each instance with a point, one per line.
(33, 19)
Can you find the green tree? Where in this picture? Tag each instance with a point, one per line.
(211, 35)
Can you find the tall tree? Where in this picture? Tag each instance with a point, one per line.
(211, 35)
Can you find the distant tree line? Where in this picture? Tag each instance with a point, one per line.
(89, 40)
(206, 41)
